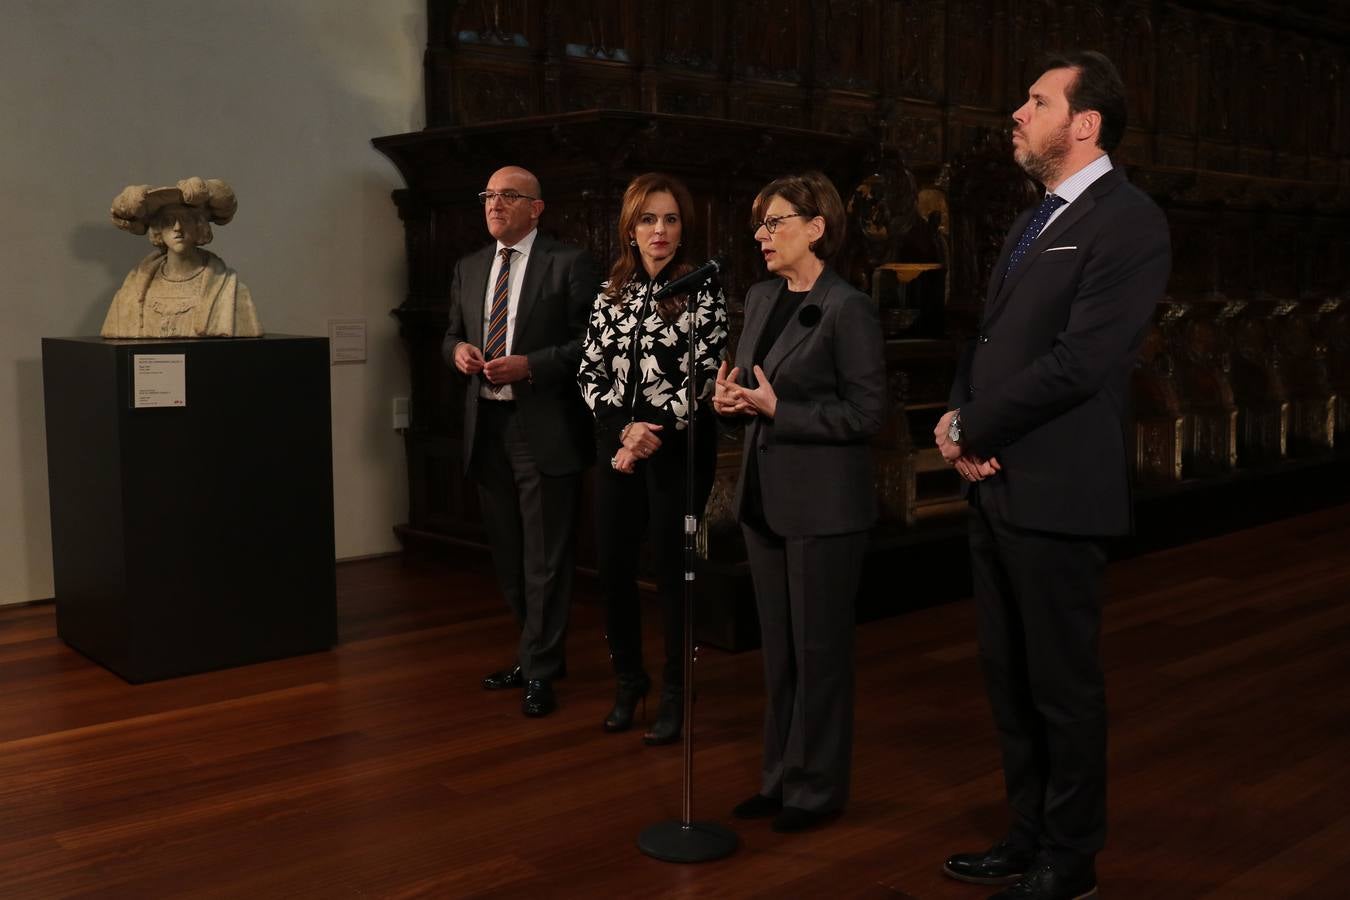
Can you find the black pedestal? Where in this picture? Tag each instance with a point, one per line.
(193, 538)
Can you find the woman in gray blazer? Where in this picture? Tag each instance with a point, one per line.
(809, 382)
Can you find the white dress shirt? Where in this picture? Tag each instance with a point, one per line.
(1072, 188)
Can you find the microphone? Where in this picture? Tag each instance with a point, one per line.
(692, 280)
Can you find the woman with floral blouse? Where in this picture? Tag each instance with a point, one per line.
(634, 378)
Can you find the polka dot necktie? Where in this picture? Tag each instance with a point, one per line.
(495, 344)
(1033, 230)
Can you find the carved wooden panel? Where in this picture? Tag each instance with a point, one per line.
(1034, 30)
(917, 133)
(917, 35)
(1276, 247)
(604, 30)
(1210, 435)
(1136, 57)
(772, 39)
(848, 43)
(508, 23)
(692, 98)
(615, 89)
(773, 108)
(693, 34)
(1159, 422)
(1292, 110)
(1194, 267)
(1088, 24)
(857, 118)
(1179, 47)
(1336, 68)
(492, 94)
(974, 54)
(1218, 67)
(1241, 86)
(1253, 107)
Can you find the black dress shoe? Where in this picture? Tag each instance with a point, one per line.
(793, 819)
(1049, 881)
(757, 807)
(539, 699)
(1000, 864)
(506, 678)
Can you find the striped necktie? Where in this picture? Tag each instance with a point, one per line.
(1033, 230)
(495, 343)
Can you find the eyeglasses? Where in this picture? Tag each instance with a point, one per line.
(487, 197)
(772, 222)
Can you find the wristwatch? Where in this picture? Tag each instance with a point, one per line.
(954, 428)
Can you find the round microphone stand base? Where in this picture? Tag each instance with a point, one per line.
(675, 841)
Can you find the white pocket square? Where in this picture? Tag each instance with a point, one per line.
(1053, 249)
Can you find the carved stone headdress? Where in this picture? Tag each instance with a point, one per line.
(134, 208)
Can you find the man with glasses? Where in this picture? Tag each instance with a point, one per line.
(518, 314)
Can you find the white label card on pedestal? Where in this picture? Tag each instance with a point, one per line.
(346, 340)
(158, 380)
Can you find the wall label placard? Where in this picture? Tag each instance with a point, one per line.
(346, 341)
(158, 380)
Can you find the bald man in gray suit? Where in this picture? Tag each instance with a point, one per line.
(518, 314)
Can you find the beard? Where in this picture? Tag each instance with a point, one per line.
(1044, 163)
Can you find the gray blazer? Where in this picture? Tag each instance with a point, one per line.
(828, 369)
(555, 304)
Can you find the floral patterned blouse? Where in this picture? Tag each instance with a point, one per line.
(630, 337)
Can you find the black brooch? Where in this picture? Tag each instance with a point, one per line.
(809, 315)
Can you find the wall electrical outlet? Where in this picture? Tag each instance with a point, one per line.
(400, 413)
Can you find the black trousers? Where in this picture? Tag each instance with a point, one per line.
(650, 501)
(1038, 601)
(530, 519)
(805, 592)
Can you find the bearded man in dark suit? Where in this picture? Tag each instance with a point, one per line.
(1036, 426)
(518, 314)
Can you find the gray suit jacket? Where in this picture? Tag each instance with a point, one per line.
(555, 304)
(828, 369)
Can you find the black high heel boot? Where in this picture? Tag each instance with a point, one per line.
(669, 720)
(631, 689)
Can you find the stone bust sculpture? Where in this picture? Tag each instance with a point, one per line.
(179, 290)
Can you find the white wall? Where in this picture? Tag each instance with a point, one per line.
(278, 97)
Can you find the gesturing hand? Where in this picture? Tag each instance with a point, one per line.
(762, 398)
(727, 394)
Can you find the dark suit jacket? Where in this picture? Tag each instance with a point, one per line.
(555, 304)
(1044, 385)
(828, 369)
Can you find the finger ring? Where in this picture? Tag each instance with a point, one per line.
(614, 461)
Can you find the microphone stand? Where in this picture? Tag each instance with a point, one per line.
(685, 840)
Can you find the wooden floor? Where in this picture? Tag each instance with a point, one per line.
(382, 770)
